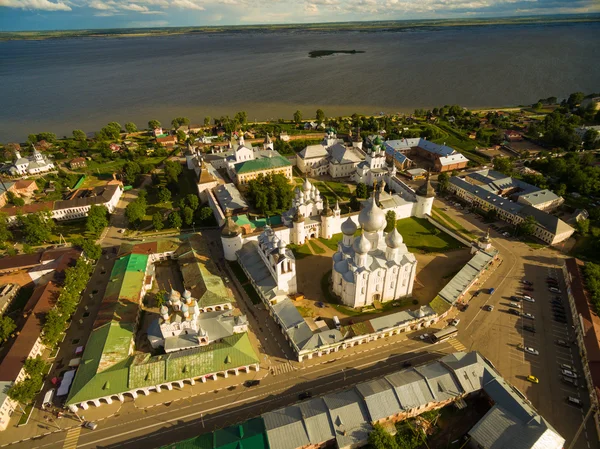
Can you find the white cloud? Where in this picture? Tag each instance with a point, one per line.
(133, 7)
(44, 5)
(187, 4)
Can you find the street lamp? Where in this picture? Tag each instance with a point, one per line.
(194, 226)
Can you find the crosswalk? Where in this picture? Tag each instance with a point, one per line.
(282, 368)
(72, 438)
(457, 344)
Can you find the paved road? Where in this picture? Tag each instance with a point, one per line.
(499, 335)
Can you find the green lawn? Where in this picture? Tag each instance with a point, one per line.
(420, 235)
(341, 189)
(301, 251)
(316, 248)
(332, 243)
(306, 312)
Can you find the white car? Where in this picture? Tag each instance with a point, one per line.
(570, 374)
(529, 315)
(455, 322)
(424, 336)
(514, 304)
(530, 350)
(528, 298)
(567, 367)
(554, 290)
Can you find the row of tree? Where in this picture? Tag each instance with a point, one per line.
(25, 390)
(270, 194)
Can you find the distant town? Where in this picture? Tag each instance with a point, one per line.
(397, 280)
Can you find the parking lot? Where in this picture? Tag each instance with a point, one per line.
(501, 335)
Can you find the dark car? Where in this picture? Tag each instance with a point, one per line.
(407, 364)
(550, 278)
(562, 343)
(305, 395)
(514, 312)
(560, 320)
(528, 289)
(526, 282)
(515, 298)
(465, 307)
(251, 383)
(529, 328)
(570, 381)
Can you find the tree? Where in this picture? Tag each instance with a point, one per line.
(37, 227)
(271, 193)
(503, 165)
(180, 121)
(241, 117)
(443, 182)
(591, 139)
(354, 203)
(153, 124)
(164, 195)
(297, 117)
(181, 135)
(575, 99)
(192, 201)
(79, 135)
(361, 190)
(5, 234)
(172, 171)
(14, 199)
(175, 219)
(97, 219)
(537, 106)
(188, 216)
(130, 127)
(390, 218)
(26, 390)
(205, 213)
(527, 226)
(379, 438)
(35, 366)
(7, 326)
(157, 221)
(131, 170)
(136, 211)
(561, 190)
(207, 121)
(320, 115)
(90, 248)
(583, 227)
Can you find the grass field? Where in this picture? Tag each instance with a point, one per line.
(300, 251)
(332, 243)
(420, 235)
(316, 248)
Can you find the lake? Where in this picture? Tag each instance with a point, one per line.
(64, 84)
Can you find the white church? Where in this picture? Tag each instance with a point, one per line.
(36, 163)
(373, 266)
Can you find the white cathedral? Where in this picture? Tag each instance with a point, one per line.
(373, 266)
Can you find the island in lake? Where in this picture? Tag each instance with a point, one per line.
(320, 53)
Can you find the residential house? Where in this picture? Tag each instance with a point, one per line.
(78, 162)
(513, 136)
(167, 141)
(441, 157)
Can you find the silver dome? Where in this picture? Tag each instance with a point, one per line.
(394, 239)
(362, 245)
(349, 227)
(372, 218)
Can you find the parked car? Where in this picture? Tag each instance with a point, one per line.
(90, 425)
(574, 401)
(251, 383)
(455, 322)
(305, 395)
(551, 278)
(570, 381)
(505, 234)
(528, 298)
(529, 328)
(562, 343)
(529, 315)
(559, 319)
(491, 290)
(565, 366)
(465, 307)
(533, 379)
(554, 290)
(526, 282)
(514, 312)
(514, 304)
(407, 364)
(424, 336)
(530, 350)
(515, 298)
(489, 308)
(568, 373)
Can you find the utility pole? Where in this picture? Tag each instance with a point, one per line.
(586, 417)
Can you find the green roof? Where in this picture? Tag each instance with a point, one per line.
(438, 305)
(241, 220)
(143, 370)
(260, 164)
(250, 434)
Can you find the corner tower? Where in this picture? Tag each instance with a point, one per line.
(425, 196)
(231, 238)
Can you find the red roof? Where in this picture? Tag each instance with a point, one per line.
(28, 208)
(588, 319)
(24, 184)
(42, 301)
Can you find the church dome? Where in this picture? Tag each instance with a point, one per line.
(307, 185)
(175, 296)
(349, 227)
(185, 308)
(187, 294)
(362, 245)
(231, 229)
(393, 239)
(164, 310)
(372, 218)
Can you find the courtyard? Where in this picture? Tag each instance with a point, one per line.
(439, 258)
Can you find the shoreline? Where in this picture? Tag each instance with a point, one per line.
(371, 26)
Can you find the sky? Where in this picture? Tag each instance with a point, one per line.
(17, 15)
